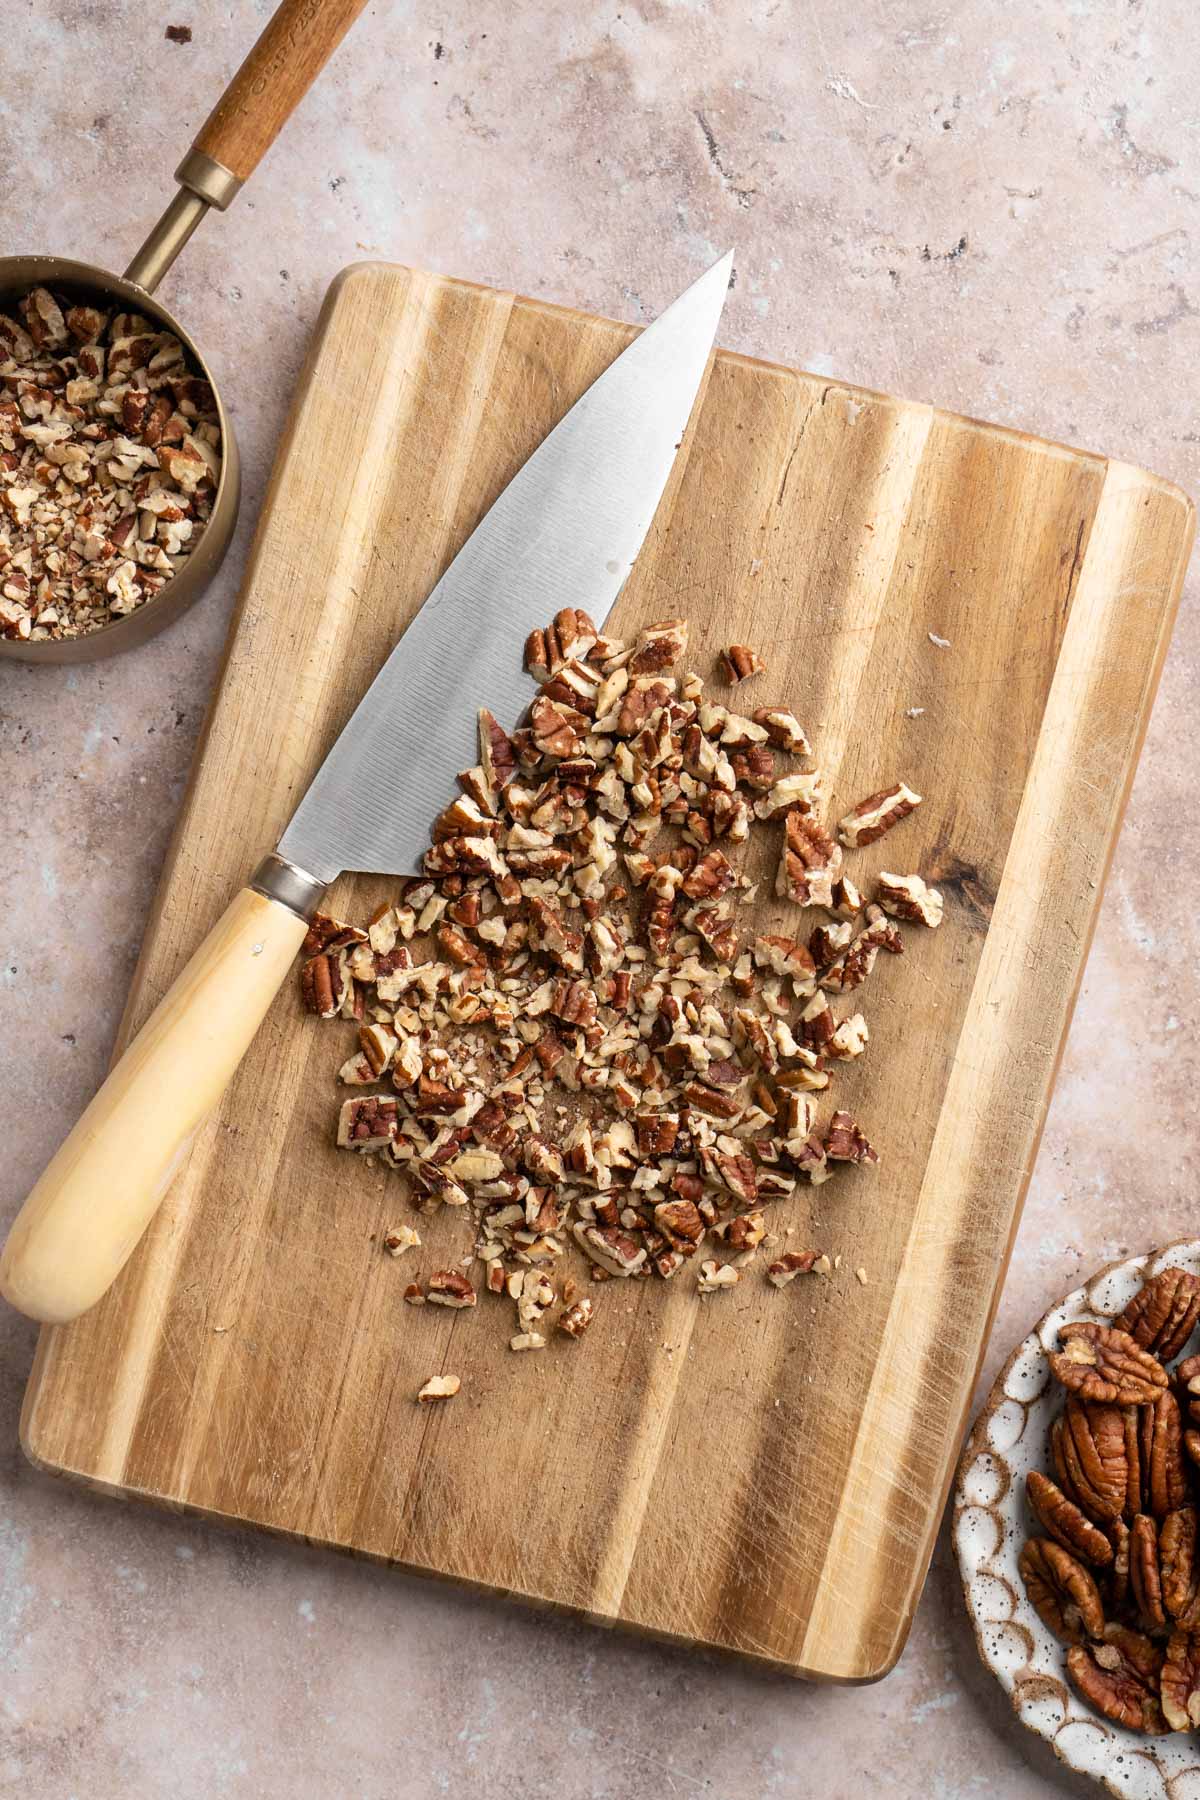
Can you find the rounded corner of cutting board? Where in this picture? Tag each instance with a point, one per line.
(1165, 489)
(32, 1434)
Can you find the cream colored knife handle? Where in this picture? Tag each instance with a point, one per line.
(84, 1217)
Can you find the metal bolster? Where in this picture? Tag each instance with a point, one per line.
(278, 879)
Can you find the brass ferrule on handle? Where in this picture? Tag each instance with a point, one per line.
(202, 183)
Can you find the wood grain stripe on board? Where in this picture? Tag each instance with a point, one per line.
(885, 479)
(1059, 854)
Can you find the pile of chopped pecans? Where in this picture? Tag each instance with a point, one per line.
(110, 456)
(1114, 1571)
(587, 1050)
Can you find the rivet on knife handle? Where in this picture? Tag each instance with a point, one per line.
(84, 1217)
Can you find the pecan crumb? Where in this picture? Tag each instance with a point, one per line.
(400, 1239)
(739, 662)
(439, 1387)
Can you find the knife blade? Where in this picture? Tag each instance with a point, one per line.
(565, 531)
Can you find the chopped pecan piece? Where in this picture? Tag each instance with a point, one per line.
(400, 1239)
(739, 661)
(867, 821)
(747, 1230)
(826, 942)
(658, 647)
(783, 729)
(656, 1133)
(712, 876)
(754, 768)
(1061, 1591)
(792, 1263)
(614, 1249)
(715, 1277)
(817, 1023)
(1120, 1677)
(558, 730)
(845, 1141)
(449, 1287)
(907, 897)
(527, 1340)
(796, 792)
(807, 1156)
(1162, 1315)
(439, 1387)
(810, 864)
(641, 699)
(577, 1317)
(367, 1124)
(852, 967)
(1098, 1362)
(1062, 1520)
(847, 901)
(737, 1174)
(849, 1040)
(681, 1224)
(325, 933)
(537, 656)
(322, 985)
(437, 1184)
(784, 956)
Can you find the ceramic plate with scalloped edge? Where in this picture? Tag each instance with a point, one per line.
(992, 1521)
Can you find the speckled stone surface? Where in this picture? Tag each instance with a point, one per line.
(993, 208)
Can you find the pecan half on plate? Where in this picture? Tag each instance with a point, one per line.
(1062, 1591)
(1098, 1362)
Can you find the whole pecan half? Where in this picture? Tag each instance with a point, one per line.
(1145, 1575)
(1162, 1315)
(1062, 1520)
(1061, 1591)
(1120, 1677)
(1089, 1453)
(1191, 1445)
(1180, 1680)
(1098, 1362)
(1177, 1562)
(1164, 1477)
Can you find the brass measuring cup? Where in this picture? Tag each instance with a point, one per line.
(291, 52)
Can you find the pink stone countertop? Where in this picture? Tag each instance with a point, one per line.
(993, 208)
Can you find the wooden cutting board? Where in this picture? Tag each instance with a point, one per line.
(763, 1471)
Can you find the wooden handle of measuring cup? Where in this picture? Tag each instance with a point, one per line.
(288, 57)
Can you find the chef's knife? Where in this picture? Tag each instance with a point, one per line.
(565, 532)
